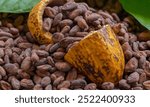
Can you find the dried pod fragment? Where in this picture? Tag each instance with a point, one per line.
(35, 23)
(99, 56)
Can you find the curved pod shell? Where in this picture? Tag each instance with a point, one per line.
(99, 56)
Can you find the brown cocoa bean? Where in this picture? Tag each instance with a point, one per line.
(58, 55)
(11, 68)
(26, 64)
(14, 31)
(15, 83)
(50, 61)
(41, 62)
(57, 37)
(146, 84)
(37, 79)
(142, 78)
(65, 22)
(133, 77)
(6, 34)
(58, 81)
(2, 71)
(50, 12)
(143, 46)
(34, 57)
(2, 43)
(54, 47)
(2, 52)
(142, 61)
(22, 74)
(124, 85)
(82, 23)
(64, 84)
(45, 81)
(45, 67)
(144, 36)
(128, 55)
(47, 24)
(90, 86)
(79, 83)
(37, 87)
(1, 61)
(69, 6)
(75, 13)
(27, 83)
(131, 65)
(65, 29)
(72, 75)
(24, 45)
(57, 19)
(8, 51)
(107, 86)
(63, 66)
(48, 87)
(42, 53)
(74, 30)
(5, 85)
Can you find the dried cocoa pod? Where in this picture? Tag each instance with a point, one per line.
(96, 40)
(107, 86)
(47, 23)
(90, 86)
(63, 66)
(27, 83)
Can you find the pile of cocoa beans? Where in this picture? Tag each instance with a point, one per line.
(26, 65)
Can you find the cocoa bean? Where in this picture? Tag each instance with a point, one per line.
(90, 86)
(64, 84)
(57, 19)
(2, 71)
(26, 64)
(63, 66)
(133, 77)
(107, 86)
(37, 87)
(124, 85)
(27, 83)
(11, 68)
(45, 81)
(47, 24)
(57, 37)
(15, 83)
(72, 75)
(79, 83)
(5, 85)
(58, 81)
(48, 87)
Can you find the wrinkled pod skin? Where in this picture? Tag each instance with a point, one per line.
(99, 56)
(35, 21)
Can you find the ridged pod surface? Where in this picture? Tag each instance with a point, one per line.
(99, 56)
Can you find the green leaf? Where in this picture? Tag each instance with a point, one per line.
(140, 9)
(17, 6)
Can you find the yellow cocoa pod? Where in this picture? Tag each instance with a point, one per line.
(99, 56)
(35, 23)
